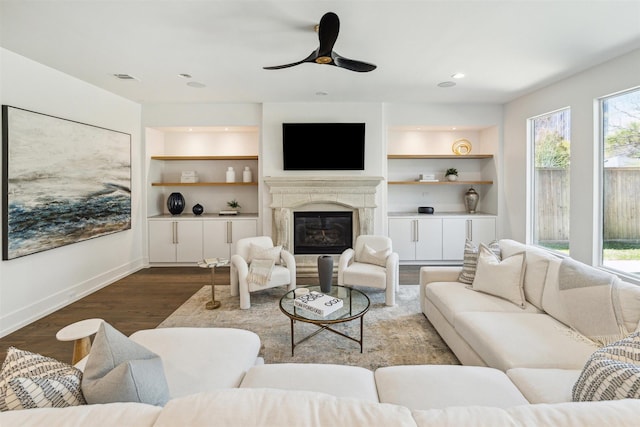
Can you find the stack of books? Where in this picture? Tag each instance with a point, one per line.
(318, 303)
(189, 177)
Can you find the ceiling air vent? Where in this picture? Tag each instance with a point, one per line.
(125, 76)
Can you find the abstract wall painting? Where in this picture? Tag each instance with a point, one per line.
(62, 182)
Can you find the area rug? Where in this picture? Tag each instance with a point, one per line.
(398, 335)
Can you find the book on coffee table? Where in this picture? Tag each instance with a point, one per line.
(318, 303)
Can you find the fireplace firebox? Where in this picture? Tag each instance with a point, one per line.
(322, 232)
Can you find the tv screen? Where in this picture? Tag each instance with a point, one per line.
(323, 146)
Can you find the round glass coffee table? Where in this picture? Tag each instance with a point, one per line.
(355, 305)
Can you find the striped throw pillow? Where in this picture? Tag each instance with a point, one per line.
(30, 380)
(470, 262)
(612, 372)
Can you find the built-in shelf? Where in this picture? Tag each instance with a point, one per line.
(439, 182)
(199, 184)
(439, 156)
(204, 157)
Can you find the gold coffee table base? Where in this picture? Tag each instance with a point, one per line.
(212, 305)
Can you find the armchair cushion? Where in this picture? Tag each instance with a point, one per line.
(371, 256)
(260, 252)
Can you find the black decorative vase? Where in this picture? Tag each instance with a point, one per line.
(325, 272)
(175, 203)
(197, 209)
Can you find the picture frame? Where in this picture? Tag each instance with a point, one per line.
(63, 182)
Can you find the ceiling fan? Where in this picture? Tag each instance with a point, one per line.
(324, 54)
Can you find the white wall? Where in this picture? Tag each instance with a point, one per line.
(580, 93)
(38, 284)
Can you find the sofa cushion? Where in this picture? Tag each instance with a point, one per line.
(503, 279)
(371, 256)
(470, 261)
(193, 360)
(120, 370)
(442, 386)
(272, 407)
(261, 252)
(629, 296)
(337, 380)
(451, 298)
(544, 385)
(536, 268)
(612, 372)
(108, 415)
(30, 380)
(515, 340)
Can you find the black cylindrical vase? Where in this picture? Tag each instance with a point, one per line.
(325, 272)
(175, 203)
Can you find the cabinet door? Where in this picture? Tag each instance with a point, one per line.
(482, 230)
(429, 239)
(215, 242)
(240, 229)
(454, 234)
(189, 241)
(402, 232)
(162, 246)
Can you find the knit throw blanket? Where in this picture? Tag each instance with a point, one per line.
(260, 271)
(591, 299)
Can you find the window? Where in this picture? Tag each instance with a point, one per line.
(620, 180)
(550, 158)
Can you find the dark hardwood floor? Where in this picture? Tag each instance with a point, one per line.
(141, 300)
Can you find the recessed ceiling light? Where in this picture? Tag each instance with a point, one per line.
(322, 93)
(196, 84)
(457, 75)
(184, 75)
(446, 84)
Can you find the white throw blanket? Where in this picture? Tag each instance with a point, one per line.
(260, 271)
(590, 297)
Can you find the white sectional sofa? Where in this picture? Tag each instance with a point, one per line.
(532, 344)
(522, 377)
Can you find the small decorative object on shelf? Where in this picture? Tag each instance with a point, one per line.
(189, 177)
(461, 147)
(197, 209)
(451, 174)
(175, 203)
(231, 174)
(471, 200)
(234, 205)
(325, 272)
(246, 174)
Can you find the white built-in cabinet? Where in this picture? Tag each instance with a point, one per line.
(220, 236)
(190, 239)
(431, 238)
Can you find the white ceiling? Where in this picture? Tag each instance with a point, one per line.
(506, 48)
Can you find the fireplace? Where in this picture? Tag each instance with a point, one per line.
(322, 232)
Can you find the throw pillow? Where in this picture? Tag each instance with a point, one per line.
(121, 370)
(371, 256)
(504, 278)
(260, 252)
(470, 261)
(612, 372)
(30, 380)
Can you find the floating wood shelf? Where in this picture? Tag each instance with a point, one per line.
(204, 157)
(440, 182)
(439, 156)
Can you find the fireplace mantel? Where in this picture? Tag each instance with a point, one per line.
(291, 193)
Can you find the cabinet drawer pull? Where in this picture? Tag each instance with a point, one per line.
(229, 232)
(175, 232)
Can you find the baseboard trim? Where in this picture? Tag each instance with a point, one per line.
(22, 317)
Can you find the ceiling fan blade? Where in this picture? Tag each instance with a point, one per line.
(352, 64)
(328, 33)
(309, 58)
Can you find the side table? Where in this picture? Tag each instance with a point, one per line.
(213, 263)
(80, 333)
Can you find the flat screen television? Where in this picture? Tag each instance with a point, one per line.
(323, 146)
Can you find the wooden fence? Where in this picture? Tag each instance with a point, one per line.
(621, 205)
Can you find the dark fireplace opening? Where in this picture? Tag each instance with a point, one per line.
(322, 232)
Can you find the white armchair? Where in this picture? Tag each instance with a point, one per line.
(371, 263)
(283, 273)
